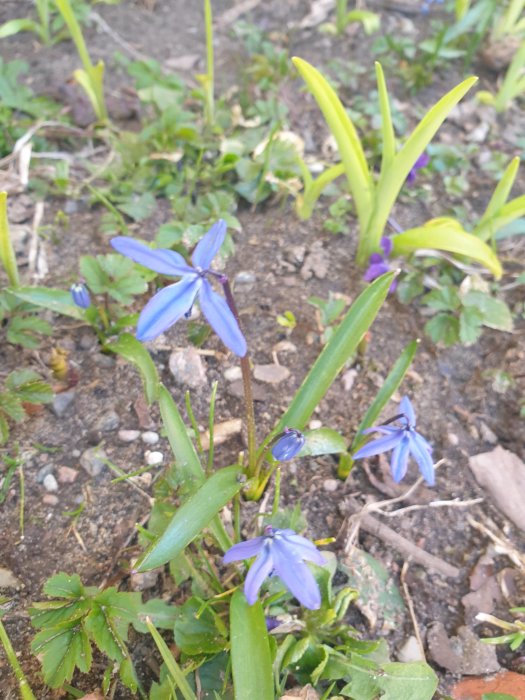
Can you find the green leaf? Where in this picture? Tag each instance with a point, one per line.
(55, 613)
(102, 629)
(57, 300)
(447, 234)
(192, 517)
(134, 351)
(495, 313)
(22, 329)
(408, 681)
(29, 386)
(64, 585)
(139, 207)
(498, 199)
(7, 253)
(19, 25)
(11, 405)
(470, 325)
(4, 429)
(335, 354)
(350, 149)
(443, 328)
(443, 299)
(498, 696)
(63, 649)
(322, 441)
(250, 651)
(163, 615)
(387, 128)
(196, 630)
(178, 677)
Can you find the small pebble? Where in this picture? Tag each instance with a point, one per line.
(271, 374)
(187, 367)
(8, 579)
(66, 475)
(50, 484)
(453, 439)
(43, 472)
(50, 499)
(62, 402)
(105, 361)
(93, 460)
(153, 459)
(315, 424)
(410, 651)
(232, 374)
(244, 277)
(487, 435)
(143, 581)
(150, 437)
(108, 422)
(331, 485)
(87, 341)
(128, 435)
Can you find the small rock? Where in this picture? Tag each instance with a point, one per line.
(317, 263)
(349, 378)
(187, 367)
(8, 579)
(145, 580)
(244, 277)
(43, 472)
(452, 439)
(150, 437)
(62, 402)
(271, 374)
(462, 655)
(50, 499)
(87, 341)
(93, 460)
(153, 459)
(66, 475)
(144, 480)
(487, 435)
(331, 485)
(50, 484)
(410, 651)
(128, 435)
(104, 361)
(108, 421)
(315, 424)
(232, 374)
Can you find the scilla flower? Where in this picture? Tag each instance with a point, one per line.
(280, 552)
(405, 442)
(378, 263)
(289, 444)
(171, 303)
(80, 295)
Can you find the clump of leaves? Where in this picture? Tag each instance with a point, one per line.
(24, 386)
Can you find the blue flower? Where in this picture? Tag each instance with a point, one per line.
(421, 162)
(378, 263)
(80, 295)
(289, 444)
(404, 441)
(282, 552)
(171, 303)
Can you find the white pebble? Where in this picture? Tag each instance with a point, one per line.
(331, 485)
(150, 437)
(50, 483)
(154, 458)
(232, 374)
(128, 435)
(315, 424)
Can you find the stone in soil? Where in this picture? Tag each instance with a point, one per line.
(150, 437)
(50, 499)
(67, 475)
(271, 374)
(62, 402)
(50, 483)
(93, 460)
(128, 435)
(108, 422)
(154, 458)
(187, 367)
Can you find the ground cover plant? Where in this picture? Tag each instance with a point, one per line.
(260, 424)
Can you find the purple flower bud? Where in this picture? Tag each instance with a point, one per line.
(80, 295)
(421, 162)
(288, 445)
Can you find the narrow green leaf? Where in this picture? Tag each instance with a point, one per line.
(18, 25)
(134, 351)
(383, 396)
(250, 651)
(335, 354)
(447, 234)
(57, 300)
(508, 213)
(176, 673)
(187, 460)
(350, 148)
(499, 196)
(387, 128)
(7, 254)
(192, 517)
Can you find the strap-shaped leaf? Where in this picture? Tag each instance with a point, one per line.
(187, 460)
(350, 148)
(498, 199)
(447, 234)
(193, 516)
(57, 300)
(134, 351)
(250, 651)
(387, 128)
(7, 253)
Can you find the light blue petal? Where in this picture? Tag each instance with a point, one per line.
(244, 550)
(419, 450)
(386, 429)
(259, 570)
(288, 445)
(399, 461)
(305, 549)
(222, 320)
(406, 407)
(296, 576)
(209, 245)
(376, 447)
(167, 262)
(166, 307)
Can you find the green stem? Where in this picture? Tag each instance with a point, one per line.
(22, 499)
(7, 254)
(314, 189)
(277, 493)
(195, 427)
(340, 16)
(25, 691)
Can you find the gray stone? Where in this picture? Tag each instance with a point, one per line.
(410, 651)
(92, 460)
(43, 472)
(271, 374)
(487, 435)
(50, 484)
(50, 499)
(143, 581)
(187, 367)
(8, 579)
(232, 374)
(108, 421)
(105, 361)
(244, 277)
(62, 402)
(128, 435)
(331, 485)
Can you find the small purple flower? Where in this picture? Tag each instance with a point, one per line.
(282, 552)
(290, 443)
(80, 295)
(176, 300)
(421, 162)
(404, 441)
(378, 263)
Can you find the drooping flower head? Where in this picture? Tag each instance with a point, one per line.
(280, 552)
(80, 295)
(421, 162)
(404, 441)
(378, 263)
(176, 300)
(290, 443)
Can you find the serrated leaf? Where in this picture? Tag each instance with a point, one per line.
(495, 313)
(323, 441)
(64, 585)
(443, 328)
(11, 405)
(63, 649)
(470, 325)
(102, 629)
(4, 429)
(408, 681)
(128, 675)
(198, 635)
(57, 613)
(134, 351)
(444, 299)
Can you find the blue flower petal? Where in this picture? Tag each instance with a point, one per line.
(221, 319)
(386, 429)
(399, 461)
(209, 245)
(244, 550)
(305, 549)
(419, 450)
(386, 245)
(376, 447)
(406, 407)
(375, 270)
(166, 307)
(259, 570)
(288, 445)
(295, 575)
(162, 260)
(80, 295)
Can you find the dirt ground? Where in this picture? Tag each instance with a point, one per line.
(278, 263)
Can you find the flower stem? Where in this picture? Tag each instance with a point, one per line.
(247, 384)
